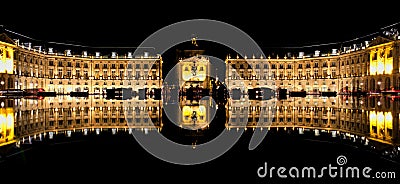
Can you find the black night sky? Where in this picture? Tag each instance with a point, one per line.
(278, 24)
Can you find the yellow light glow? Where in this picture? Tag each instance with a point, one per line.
(380, 67)
(382, 121)
(6, 60)
(372, 118)
(388, 120)
(6, 125)
(372, 68)
(188, 111)
(388, 66)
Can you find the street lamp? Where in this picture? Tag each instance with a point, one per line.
(2, 84)
(379, 85)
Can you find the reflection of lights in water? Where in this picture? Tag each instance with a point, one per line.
(333, 133)
(316, 132)
(301, 131)
(51, 135)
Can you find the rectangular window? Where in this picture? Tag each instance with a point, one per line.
(51, 73)
(105, 75)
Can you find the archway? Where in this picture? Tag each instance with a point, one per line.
(372, 85)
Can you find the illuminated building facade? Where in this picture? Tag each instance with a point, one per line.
(32, 67)
(372, 67)
(7, 47)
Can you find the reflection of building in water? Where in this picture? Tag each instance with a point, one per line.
(370, 66)
(376, 119)
(6, 126)
(7, 47)
(58, 115)
(196, 114)
(31, 66)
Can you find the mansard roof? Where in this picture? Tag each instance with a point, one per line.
(6, 39)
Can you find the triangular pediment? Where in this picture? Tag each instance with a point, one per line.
(379, 40)
(6, 39)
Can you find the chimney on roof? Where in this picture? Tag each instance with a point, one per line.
(68, 52)
(301, 54)
(39, 48)
(50, 50)
(130, 55)
(366, 43)
(316, 53)
(84, 53)
(113, 54)
(97, 54)
(28, 45)
(334, 51)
